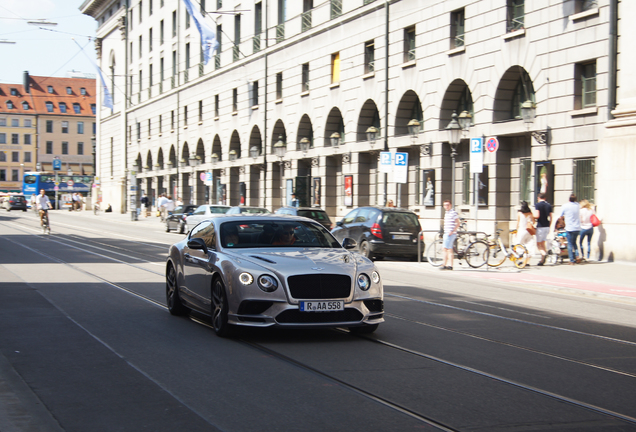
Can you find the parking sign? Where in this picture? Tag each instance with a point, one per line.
(476, 155)
(386, 162)
(401, 167)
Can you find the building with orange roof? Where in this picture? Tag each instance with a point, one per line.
(44, 118)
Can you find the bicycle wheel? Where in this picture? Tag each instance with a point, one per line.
(496, 256)
(461, 242)
(519, 256)
(477, 253)
(435, 253)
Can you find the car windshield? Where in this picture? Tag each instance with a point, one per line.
(274, 234)
(218, 210)
(255, 210)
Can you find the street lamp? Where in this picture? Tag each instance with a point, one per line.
(528, 113)
(195, 161)
(255, 152)
(372, 135)
(335, 139)
(304, 145)
(214, 159)
(414, 129)
(279, 150)
(454, 131)
(233, 155)
(465, 120)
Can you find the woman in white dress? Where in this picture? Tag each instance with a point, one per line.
(523, 217)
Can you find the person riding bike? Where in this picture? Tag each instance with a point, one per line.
(43, 204)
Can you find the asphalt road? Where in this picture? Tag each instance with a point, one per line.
(86, 344)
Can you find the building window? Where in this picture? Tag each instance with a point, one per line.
(523, 92)
(27, 139)
(149, 7)
(49, 147)
(237, 37)
(80, 127)
(3, 156)
(141, 6)
(585, 85)
(161, 30)
(160, 125)
(15, 122)
(216, 106)
(49, 106)
(525, 180)
(62, 107)
(254, 95)
(65, 127)
(369, 57)
(14, 92)
(219, 40)
(49, 89)
(27, 122)
(64, 147)
(336, 8)
(49, 126)
(15, 138)
(83, 91)
(25, 105)
(93, 108)
(585, 5)
(305, 78)
(27, 157)
(172, 120)
(187, 56)
(3, 175)
(457, 29)
(80, 148)
(409, 44)
(279, 85)
(15, 156)
(130, 59)
(174, 23)
(234, 100)
(465, 183)
(3, 121)
(515, 15)
(149, 78)
(141, 74)
(69, 91)
(140, 45)
(584, 179)
(200, 111)
(138, 131)
(76, 108)
(185, 115)
(150, 40)
(335, 68)
(3, 138)
(258, 26)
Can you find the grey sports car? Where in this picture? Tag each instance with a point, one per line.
(272, 270)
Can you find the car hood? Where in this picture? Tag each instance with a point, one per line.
(302, 261)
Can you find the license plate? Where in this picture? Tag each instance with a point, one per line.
(401, 237)
(321, 306)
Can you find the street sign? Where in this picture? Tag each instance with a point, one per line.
(401, 167)
(57, 164)
(476, 155)
(492, 144)
(70, 183)
(56, 188)
(386, 162)
(208, 177)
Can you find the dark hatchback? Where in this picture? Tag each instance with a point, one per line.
(15, 202)
(381, 231)
(176, 218)
(317, 214)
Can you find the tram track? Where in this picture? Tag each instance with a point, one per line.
(376, 397)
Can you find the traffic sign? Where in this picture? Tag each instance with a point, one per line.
(476, 155)
(70, 183)
(401, 167)
(386, 162)
(57, 164)
(492, 144)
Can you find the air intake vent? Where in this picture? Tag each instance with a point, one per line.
(319, 286)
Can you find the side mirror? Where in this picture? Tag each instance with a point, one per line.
(339, 223)
(198, 243)
(349, 243)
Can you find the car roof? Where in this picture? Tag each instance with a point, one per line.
(249, 218)
(399, 209)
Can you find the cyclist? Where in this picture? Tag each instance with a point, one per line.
(43, 204)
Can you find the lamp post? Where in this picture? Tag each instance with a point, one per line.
(304, 144)
(528, 113)
(279, 150)
(233, 155)
(255, 152)
(454, 130)
(372, 135)
(195, 161)
(94, 153)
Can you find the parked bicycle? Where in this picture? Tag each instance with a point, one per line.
(474, 251)
(517, 253)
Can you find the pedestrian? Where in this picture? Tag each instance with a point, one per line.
(169, 205)
(390, 204)
(161, 202)
(146, 203)
(451, 225)
(294, 200)
(587, 229)
(525, 226)
(571, 215)
(543, 215)
(178, 202)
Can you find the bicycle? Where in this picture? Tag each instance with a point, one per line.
(96, 208)
(518, 253)
(475, 252)
(46, 227)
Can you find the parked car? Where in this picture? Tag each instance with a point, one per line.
(176, 219)
(381, 231)
(204, 212)
(15, 202)
(247, 210)
(317, 214)
(272, 270)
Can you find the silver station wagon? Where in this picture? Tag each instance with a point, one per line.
(272, 270)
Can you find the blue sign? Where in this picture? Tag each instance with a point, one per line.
(386, 162)
(476, 155)
(57, 164)
(401, 159)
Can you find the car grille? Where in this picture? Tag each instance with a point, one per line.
(292, 316)
(322, 286)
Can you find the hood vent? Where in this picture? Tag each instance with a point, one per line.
(263, 259)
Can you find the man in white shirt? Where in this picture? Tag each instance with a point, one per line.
(43, 205)
(161, 205)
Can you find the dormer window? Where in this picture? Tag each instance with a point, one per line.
(49, 106)
(83, 91)
(76, 108)
(9, 105)
(25, 105)
(69, 91)
(49, 89)
(63, 107)
(93, 108)
(14, 92)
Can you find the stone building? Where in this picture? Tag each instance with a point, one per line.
(303, 96)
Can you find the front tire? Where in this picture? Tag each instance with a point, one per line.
(167, 227)
(477, 254)
(173, 299)
(181, 228)
(435, 253)
(365, 249)
(496, 256)
(219, 309)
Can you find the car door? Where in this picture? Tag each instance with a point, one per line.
(342, 229)
(173, 217)
(357, 227)
(196, 266)
(199, 215)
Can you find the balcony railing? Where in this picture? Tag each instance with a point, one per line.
(201, 69)
(336, 8)
(280, 33)
(235, 52)
(305, 21)
(217, 61)
(256, 43)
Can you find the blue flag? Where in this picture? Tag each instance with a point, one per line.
(107, 101)
(209, 43)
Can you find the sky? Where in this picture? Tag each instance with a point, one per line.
(45, 50)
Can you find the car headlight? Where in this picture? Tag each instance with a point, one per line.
(375, 277)
(363, 282)
(246, 278)
(267, 283)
